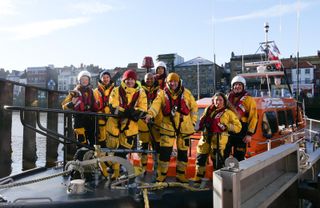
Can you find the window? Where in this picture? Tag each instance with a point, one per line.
(269, 124)
(307, 71)
(290, 117)
(282, 120)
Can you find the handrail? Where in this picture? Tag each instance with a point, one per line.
(53, 135)
(46, 129)
(49, 135)
(55, 110)
(283, 137)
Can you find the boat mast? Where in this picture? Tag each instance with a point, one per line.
(266, 29)
(298, 45)
(266, 49)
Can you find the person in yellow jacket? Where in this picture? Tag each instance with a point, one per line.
(149, 137)
(179, 110)
(246, 109)
(216, 121)
(129, 102)
(82, 99)
(161, 74)
(102, 94)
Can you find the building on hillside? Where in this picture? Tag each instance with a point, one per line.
(305, 79)
(17, 76)
(42, 77)
(202, 75)
(315, 61)
(67, 79)
(171, 60)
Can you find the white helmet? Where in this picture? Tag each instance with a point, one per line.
(162, 64)
(238, 79)
(83, 73)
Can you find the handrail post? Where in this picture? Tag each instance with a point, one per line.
(269, 144)
(52, 124)
(29, 152)
(6, 98)
(310, 128)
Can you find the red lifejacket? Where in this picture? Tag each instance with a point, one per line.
(211, 120)
(179, 104)
(216, 125)
(85, 100)
(238, 103)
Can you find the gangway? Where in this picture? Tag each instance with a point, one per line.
(286, 176)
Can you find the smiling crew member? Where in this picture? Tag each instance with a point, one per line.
(161, 74)
(102, 94)
(179, 110)
(148, 138)
(129, 102)
(82, 99)
(247, 113)
(216, 121)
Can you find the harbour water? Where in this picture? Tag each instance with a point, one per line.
(17, 142)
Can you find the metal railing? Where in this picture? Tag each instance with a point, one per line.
(30, 96)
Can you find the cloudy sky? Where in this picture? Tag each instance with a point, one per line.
(112, 33)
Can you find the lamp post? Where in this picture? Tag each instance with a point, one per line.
(198, 80)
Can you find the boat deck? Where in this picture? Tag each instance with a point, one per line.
(99, 193)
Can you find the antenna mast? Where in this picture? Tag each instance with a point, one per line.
(266, 49)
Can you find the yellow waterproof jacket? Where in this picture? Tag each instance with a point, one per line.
(100, 95)
(252, 117)
(186, 122)
(85, 96)
(66, 101)
(115, 125)
(158, 119)
(230, 120)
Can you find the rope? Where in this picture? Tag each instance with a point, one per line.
(10, 185)
(162, 185)
(145, 198)
(304, 157)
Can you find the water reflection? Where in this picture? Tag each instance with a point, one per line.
(17, 142)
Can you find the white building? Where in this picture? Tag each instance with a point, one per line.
(306, 77)
(67, 78)
(17, 76)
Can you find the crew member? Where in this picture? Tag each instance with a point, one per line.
(179, 110)
(216, 121)
(82, 99)
(246, 108)
(161, 74)
(102, 94)
(149, 136)
(129, 102)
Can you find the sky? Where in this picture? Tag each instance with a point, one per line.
(113, 33)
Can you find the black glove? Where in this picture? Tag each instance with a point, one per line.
(128, 112)
(137, 114)
(117, 112)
